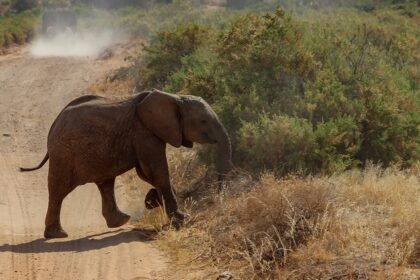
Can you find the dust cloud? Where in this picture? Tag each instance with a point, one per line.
(76, 44)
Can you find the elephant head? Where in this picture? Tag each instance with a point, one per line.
(183, 120)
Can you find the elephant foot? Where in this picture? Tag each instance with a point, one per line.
(55, 231)
(177, 219)
(116, 219)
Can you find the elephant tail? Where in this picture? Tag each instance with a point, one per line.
(38, 167)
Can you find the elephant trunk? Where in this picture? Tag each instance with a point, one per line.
(224, 155)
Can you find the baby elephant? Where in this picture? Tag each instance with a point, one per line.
(95, 139)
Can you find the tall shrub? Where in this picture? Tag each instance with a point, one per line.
(316, 95)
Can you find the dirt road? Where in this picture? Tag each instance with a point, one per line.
(32, 92)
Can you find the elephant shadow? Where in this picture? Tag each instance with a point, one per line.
(87, 243)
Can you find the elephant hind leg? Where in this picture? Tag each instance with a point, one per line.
(53, 227)
(59, 186)
(113, 216)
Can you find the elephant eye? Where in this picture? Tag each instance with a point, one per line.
(203, 121)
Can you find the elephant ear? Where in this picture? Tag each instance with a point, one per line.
(159, 112)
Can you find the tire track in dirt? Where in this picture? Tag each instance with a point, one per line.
(9, 256)
(12, 181)
(32, 92)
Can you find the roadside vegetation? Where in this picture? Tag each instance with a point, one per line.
(17, 28)
(321, 92)
(356, 224)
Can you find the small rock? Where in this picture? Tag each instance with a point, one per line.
(7, 135)
(225, 276)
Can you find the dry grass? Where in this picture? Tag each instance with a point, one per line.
(354, 225)
(262, 227)
(114, 89)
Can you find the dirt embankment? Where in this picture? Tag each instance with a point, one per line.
(32, 92)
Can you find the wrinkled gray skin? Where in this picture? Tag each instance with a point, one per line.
(58, 21)
(95, 139)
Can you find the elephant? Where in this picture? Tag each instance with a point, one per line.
(94, 139)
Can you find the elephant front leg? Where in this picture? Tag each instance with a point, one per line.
(166, 194)
(154, 170)
(112, 214)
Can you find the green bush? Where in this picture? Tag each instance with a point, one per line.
(321, 92)
(338, 141)
(278, 143)
(319, 95)
(17, 28)
(169, 49)
(370, 75)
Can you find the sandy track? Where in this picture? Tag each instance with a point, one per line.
(32, 92)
